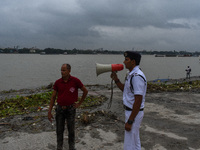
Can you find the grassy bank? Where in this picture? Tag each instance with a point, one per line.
(40, 101)
(37, 102)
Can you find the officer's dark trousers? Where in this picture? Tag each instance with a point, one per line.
(62, 115)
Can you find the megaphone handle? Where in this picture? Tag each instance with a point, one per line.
(110, 102)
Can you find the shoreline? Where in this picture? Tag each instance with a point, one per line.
(158, 80)
(171, 121)
(27, 91)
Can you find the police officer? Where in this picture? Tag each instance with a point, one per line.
(134, 91)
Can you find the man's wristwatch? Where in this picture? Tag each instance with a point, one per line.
(130, 121)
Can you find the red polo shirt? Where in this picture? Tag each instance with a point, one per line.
(67, 91)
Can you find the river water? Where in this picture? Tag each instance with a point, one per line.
(19, 71)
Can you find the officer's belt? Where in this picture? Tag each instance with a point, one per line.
(129, 109)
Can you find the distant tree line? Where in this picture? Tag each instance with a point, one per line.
(57, 51)
(98, 51)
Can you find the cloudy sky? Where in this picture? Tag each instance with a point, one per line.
(109, 24)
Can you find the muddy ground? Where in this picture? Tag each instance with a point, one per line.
(171, 122)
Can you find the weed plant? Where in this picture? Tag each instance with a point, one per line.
(37, 102)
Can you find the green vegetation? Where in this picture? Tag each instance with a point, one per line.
(37, 102)
(24, 104)
(91, 101)
(175, 87)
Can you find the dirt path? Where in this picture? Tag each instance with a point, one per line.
(171, 122)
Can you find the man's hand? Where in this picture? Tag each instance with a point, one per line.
(128, 127)
(76, 105)
(50, 116)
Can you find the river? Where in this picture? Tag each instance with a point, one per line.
(19, 71)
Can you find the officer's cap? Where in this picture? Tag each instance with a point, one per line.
(133, 55)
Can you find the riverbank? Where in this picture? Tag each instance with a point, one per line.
(171, 122)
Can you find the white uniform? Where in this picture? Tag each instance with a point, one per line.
(139, 86)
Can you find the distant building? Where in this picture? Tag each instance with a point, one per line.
(32, 51)
(42, 53)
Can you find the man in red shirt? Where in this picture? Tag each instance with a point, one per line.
(66, 91)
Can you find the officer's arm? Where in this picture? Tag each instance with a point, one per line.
(136, 106)
(135, 110)
(117, 81)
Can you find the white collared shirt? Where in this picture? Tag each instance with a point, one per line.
(139, 87)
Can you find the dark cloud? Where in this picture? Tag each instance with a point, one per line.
(123, 24)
